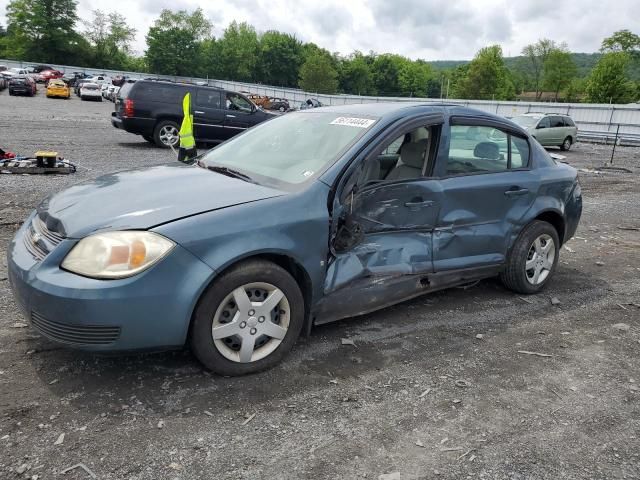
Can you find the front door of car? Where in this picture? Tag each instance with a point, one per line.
(238, 114)
(487, 188)
(208, 115)
(543, 132)
(382, 234)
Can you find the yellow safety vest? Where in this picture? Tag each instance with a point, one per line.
(187, 140)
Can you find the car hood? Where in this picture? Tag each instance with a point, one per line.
(145, 198)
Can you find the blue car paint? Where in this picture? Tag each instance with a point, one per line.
(217, 221)
(152, 309)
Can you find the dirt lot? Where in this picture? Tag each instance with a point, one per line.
(419, 396)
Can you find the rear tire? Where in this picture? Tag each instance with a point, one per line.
(269, 333)
(166, 133)
(529, 267)
(566, 144)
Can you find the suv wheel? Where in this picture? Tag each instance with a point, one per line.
(566, 145)
(533, 258)
(166, 134)
(248, 320)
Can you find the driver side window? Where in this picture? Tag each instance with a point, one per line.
(237, 102)
(404, 157)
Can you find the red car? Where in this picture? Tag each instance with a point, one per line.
(47, 75)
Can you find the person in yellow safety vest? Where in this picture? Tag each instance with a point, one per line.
(187, 150)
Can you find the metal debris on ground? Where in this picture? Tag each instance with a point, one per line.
(248, 419)
(536, 354)
(18, 325)
(347, 341)
(462, 383)
(60, 440)
(82, 466)
(555, 301)
(420, 444)
(480, 336)
(42, 163)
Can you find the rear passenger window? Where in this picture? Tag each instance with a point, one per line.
(208, 98)
(159, 93)
(557, 122)
(481, 149)
(476, 149)
(568, 122)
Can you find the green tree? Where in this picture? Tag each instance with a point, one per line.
(42, 30)
(318, 74)
(535, 56)
(487, 77)
(355, 75)
(174, 42)
(621, 41)
(238, 50)
(111, 38)
(608, 82)
(413, 78)
(559, 71)
(280, 58)
(386, 73)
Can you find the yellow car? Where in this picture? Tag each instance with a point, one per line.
(57, 88)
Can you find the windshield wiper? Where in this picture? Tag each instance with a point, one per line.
(229, 172)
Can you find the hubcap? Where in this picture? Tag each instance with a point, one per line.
(540, 259)
(169, 135)
(251, 322)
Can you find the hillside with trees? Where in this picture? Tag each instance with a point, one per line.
(181, 43)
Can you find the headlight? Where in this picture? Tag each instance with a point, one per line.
(116, 254)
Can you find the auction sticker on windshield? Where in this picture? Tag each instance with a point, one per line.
(353, 122)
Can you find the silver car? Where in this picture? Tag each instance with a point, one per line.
(550, 129)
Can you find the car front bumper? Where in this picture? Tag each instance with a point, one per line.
(151, 310)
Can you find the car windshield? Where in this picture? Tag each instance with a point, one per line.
(525, 120)
(290, 149)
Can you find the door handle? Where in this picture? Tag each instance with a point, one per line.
(198, 112)
(231, 116)
(516, 192)
(426, 203)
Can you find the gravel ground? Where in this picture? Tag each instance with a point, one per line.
(433, 388)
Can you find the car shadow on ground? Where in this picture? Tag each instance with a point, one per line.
(422, 330)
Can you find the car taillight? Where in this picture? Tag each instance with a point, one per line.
(127, 110)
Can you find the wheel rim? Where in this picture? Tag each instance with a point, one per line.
(168, 135)
(567, 144)
(251, 322)
(540, 259)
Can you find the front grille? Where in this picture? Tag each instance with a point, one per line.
(39, 240)
(75, 334)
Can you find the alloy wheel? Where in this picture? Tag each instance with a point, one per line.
(540, 259)
(169, 135)
(251, 322)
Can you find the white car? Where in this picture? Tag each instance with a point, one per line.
(101, 79)
(90, 91)
(15, 71)
(104, 89)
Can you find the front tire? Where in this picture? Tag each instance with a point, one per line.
(248, 319)
(533, 258)
(566, 144)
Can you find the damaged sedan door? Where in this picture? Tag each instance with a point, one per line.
(383, 224)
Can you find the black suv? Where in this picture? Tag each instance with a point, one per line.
(153, 109)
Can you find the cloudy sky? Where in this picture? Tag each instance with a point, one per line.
(429, 29)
